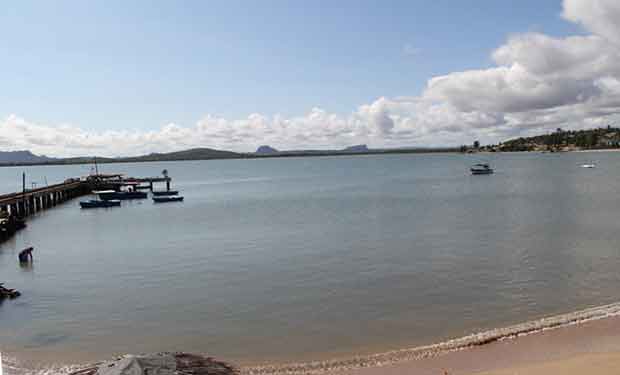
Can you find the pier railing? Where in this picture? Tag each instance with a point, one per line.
(16, 207)
(28, 202)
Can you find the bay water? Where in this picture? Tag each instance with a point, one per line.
(291, 259)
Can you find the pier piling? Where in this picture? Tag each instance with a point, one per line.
(16, 207)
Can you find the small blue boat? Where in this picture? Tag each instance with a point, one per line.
(167, 199)
(165, 192)
(95, 203)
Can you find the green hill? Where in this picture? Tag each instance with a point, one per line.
(563, 140)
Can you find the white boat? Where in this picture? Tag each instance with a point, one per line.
(588, 165)
(481, 169)
(97, 192)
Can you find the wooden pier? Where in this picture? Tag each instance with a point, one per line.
(31, 201)
(16, 207)
(142, 183)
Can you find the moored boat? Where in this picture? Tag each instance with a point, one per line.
(482, 168)
(95, 203)
(167, 199)
(121, 195)
(97, 192)
(165, 192)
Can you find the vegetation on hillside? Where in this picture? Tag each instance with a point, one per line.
(559, 140)
(565, 140)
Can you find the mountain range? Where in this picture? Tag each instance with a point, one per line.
(8, 158)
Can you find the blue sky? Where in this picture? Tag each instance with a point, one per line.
(137, 66)
(119, 65)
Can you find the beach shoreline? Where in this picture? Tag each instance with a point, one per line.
(416, 355)
(593, 346)
(561, 341)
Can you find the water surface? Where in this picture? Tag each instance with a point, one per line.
(307, 258)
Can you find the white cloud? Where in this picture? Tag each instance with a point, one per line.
(538, 82)
(601, 17)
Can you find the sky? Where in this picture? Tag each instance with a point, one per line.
(116, 78)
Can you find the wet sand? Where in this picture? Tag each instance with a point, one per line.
(592, 346)
(577, 338)
(567, 343)
(594, 364)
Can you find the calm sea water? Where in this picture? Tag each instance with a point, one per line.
(306, 258)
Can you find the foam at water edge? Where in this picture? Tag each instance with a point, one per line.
(12, 367)
(476, 339)
(9, 366)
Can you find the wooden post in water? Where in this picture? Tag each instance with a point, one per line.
(23, 210)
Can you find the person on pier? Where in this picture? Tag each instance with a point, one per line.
(25, 256)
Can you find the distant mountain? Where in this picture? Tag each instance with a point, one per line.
(27, 158)
(266, 150)
(191, 154)
(356, 148)
(270, 151)
(13, 157)
(10, 158)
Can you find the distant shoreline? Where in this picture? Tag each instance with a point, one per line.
(240, 156)
(600, 150)
(291, 155)
(536, 341)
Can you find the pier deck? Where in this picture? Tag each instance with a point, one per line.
(33, 200)
(16, 207)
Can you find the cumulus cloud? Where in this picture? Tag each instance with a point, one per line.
(539, 82)
(601, 17)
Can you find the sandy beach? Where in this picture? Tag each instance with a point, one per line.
(569, 343)
(592, 347)
(573, 343)
(599, 364)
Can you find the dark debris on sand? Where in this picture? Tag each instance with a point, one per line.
(161, 364)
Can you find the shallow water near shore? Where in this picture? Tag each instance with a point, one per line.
(280, 260)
